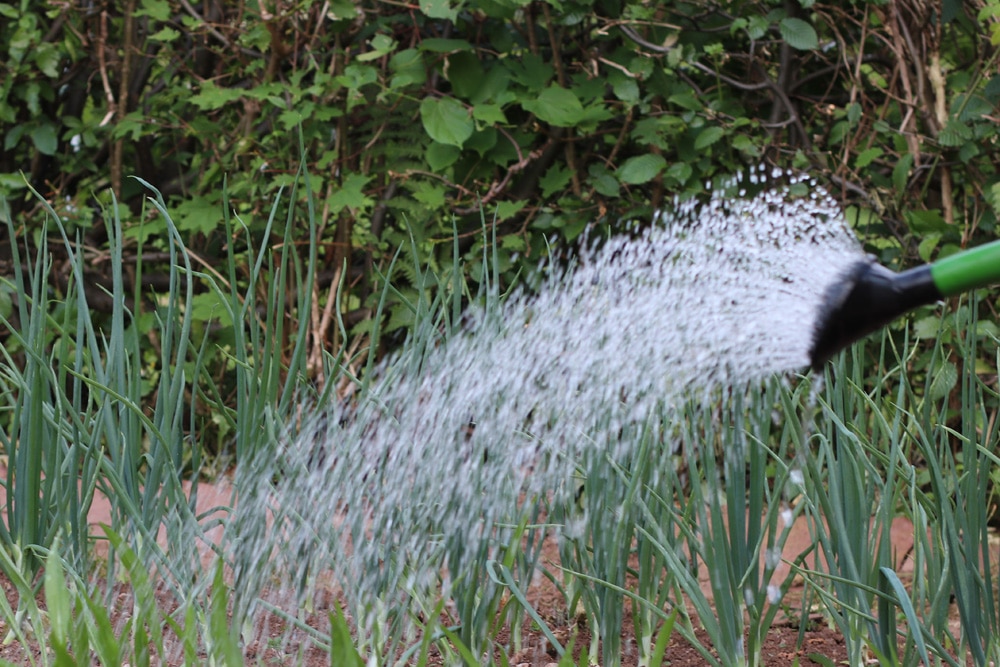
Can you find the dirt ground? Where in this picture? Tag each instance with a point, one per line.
(786, 643)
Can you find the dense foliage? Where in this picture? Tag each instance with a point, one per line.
(419, 120)
(285, 152)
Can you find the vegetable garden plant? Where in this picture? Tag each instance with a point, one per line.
(216, 214)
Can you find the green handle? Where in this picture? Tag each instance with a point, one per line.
(967, 270)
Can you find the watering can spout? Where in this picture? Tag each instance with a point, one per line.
(869, 296)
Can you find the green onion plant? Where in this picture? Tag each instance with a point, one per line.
(682, 531)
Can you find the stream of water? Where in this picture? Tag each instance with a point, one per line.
(391, 491)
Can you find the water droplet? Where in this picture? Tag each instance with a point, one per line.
(429, 467)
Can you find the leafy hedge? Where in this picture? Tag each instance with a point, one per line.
(419, 120)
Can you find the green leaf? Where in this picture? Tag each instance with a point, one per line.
(686, 99)
(903, 597)
(270, 92)
(494, 87)
(13, 137)
(839, 131)
(927, 327)
(531, 71)
(106, 644)
(441, 156)
(206, 307)
(708, 136)
(821, 659)
(47, 57)
(131, 126)
(158, 10)
(624, 87)
(351, 194)
(439, 45)
(972, 107)
(165, 34)
(757, 26)
(489, 113)
(482, 141)
(556, 106)
(954, 133)
(342, 651)
(290, 118)
(854, 113)
(867, 156)
(381, 45)
(993, 195)
(438, 9)
(32, 96)
(944, 381)
(57, 597)
(446, 120)
(680, 172)
(6, 302)
(12, 181)
(198, 214)
(44, 138)
(408, 68)
(507, 209)
(342, 9)
(968, 151)
(513, 243)
(21, 42)
(798, 34)
(603, 181)
(212, 97)
(927, 246)
(987, 329)
(924, 222)
(429, 194)
(594, 113)
(356, 76)
(224, 647)
(663, 638)
(949, 249)
(606, 185)
(465, 74)
(641, 169)
(901, 173)
(745, 144)
(555, 179)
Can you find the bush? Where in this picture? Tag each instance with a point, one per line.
(549, 116)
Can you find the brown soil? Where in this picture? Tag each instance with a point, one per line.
(786, 643)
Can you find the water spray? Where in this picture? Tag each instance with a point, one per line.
(399, 501)
(869, 296)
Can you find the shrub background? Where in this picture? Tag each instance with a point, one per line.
(420, 120)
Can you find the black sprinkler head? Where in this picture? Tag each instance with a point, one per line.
(868, 297)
